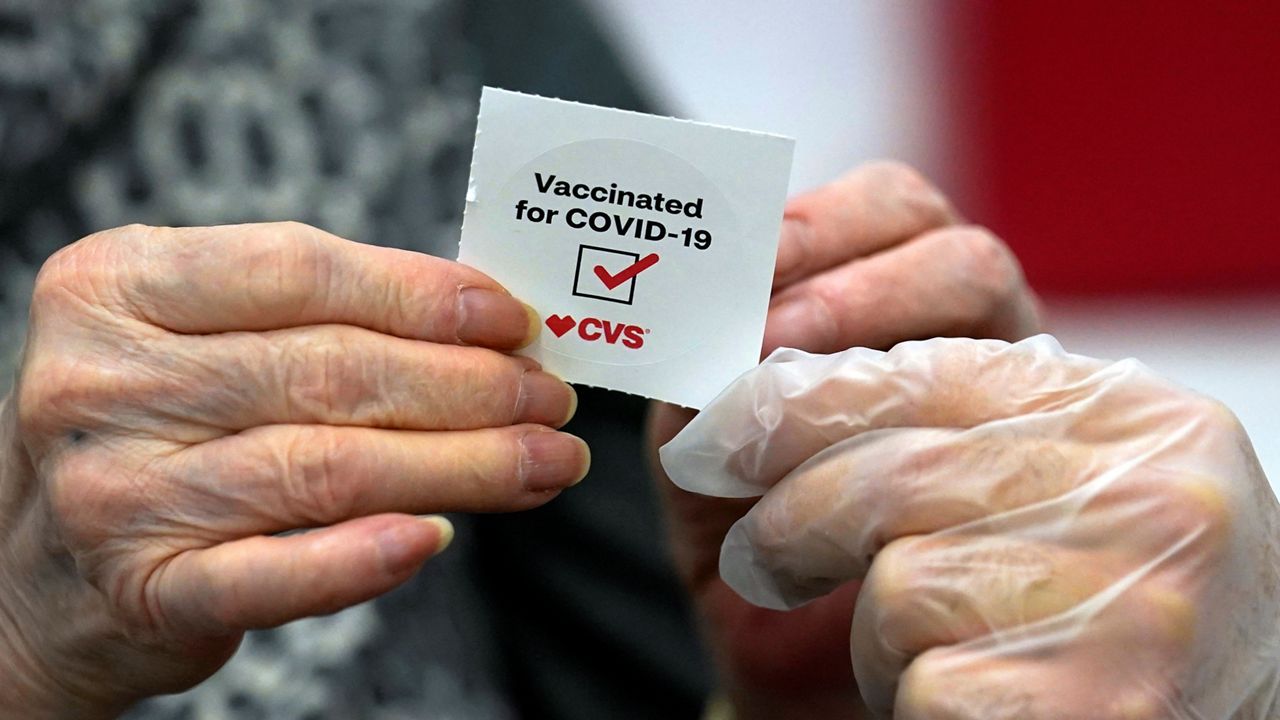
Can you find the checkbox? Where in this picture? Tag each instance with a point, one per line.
(587, 283)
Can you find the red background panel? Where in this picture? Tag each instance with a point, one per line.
(1121, 146)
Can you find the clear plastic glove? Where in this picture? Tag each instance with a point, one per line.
(1042, 535)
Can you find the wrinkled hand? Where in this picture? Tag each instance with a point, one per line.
(188, 394)
(872, 259)
(1039, 535)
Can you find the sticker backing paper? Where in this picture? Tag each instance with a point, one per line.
(645, 243)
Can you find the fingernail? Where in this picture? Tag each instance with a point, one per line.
(494, 319)
(533, 327)
(798, 322)
(445, 528)
(791, 250)
(552, 460)
(545, 399)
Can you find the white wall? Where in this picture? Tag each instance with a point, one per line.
(847, 79)
(1228, 349)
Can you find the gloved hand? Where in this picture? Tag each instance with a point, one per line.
(1041, 535)
(871, 259)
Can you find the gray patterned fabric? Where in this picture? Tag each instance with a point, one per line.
(354, 115)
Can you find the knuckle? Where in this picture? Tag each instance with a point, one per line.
(501, 389)
(942, 683)
(87, 500)
(69, 270)
(78, 386)
(900, 175)
(284, 235)
(1169, 619)
(921, 691)
(1214, 415)
(308, 244)
(294, 228)
(913, 188)
(1198, 508)
(424, 293)
(316, 475)
(890, 580)
(101, 269)
(991, 274)
(291, 248)
(1196, 514)
(895, 588)
(508, 480)
(290, 265)
(130, 233)
(325, 377)
(769, 532)
(992, 264)
(778, 530)
(1141, 703)
(54, 394)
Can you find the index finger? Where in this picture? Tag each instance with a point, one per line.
(278, 275)
(794, 404)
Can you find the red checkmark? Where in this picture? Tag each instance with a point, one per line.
(626, 273)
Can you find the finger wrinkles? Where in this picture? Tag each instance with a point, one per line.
(88, 497)
(287, 270)
(331, 376)
(255, 276)
(930, 591)
(418, 300)
(280, 477)
(92, 274)
(277, 275)
(351, 376)
(111, 505)
(320, 474)
(422, 297)
(120, 385)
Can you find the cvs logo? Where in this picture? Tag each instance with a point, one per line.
(594, 330)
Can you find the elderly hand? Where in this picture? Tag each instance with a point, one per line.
(872, 259)
(1039, 535)
(188, 394)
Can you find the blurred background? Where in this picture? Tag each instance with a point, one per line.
(1128, 152)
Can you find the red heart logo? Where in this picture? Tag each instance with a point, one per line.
(561, 324)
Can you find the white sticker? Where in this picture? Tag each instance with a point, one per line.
(645, 243)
